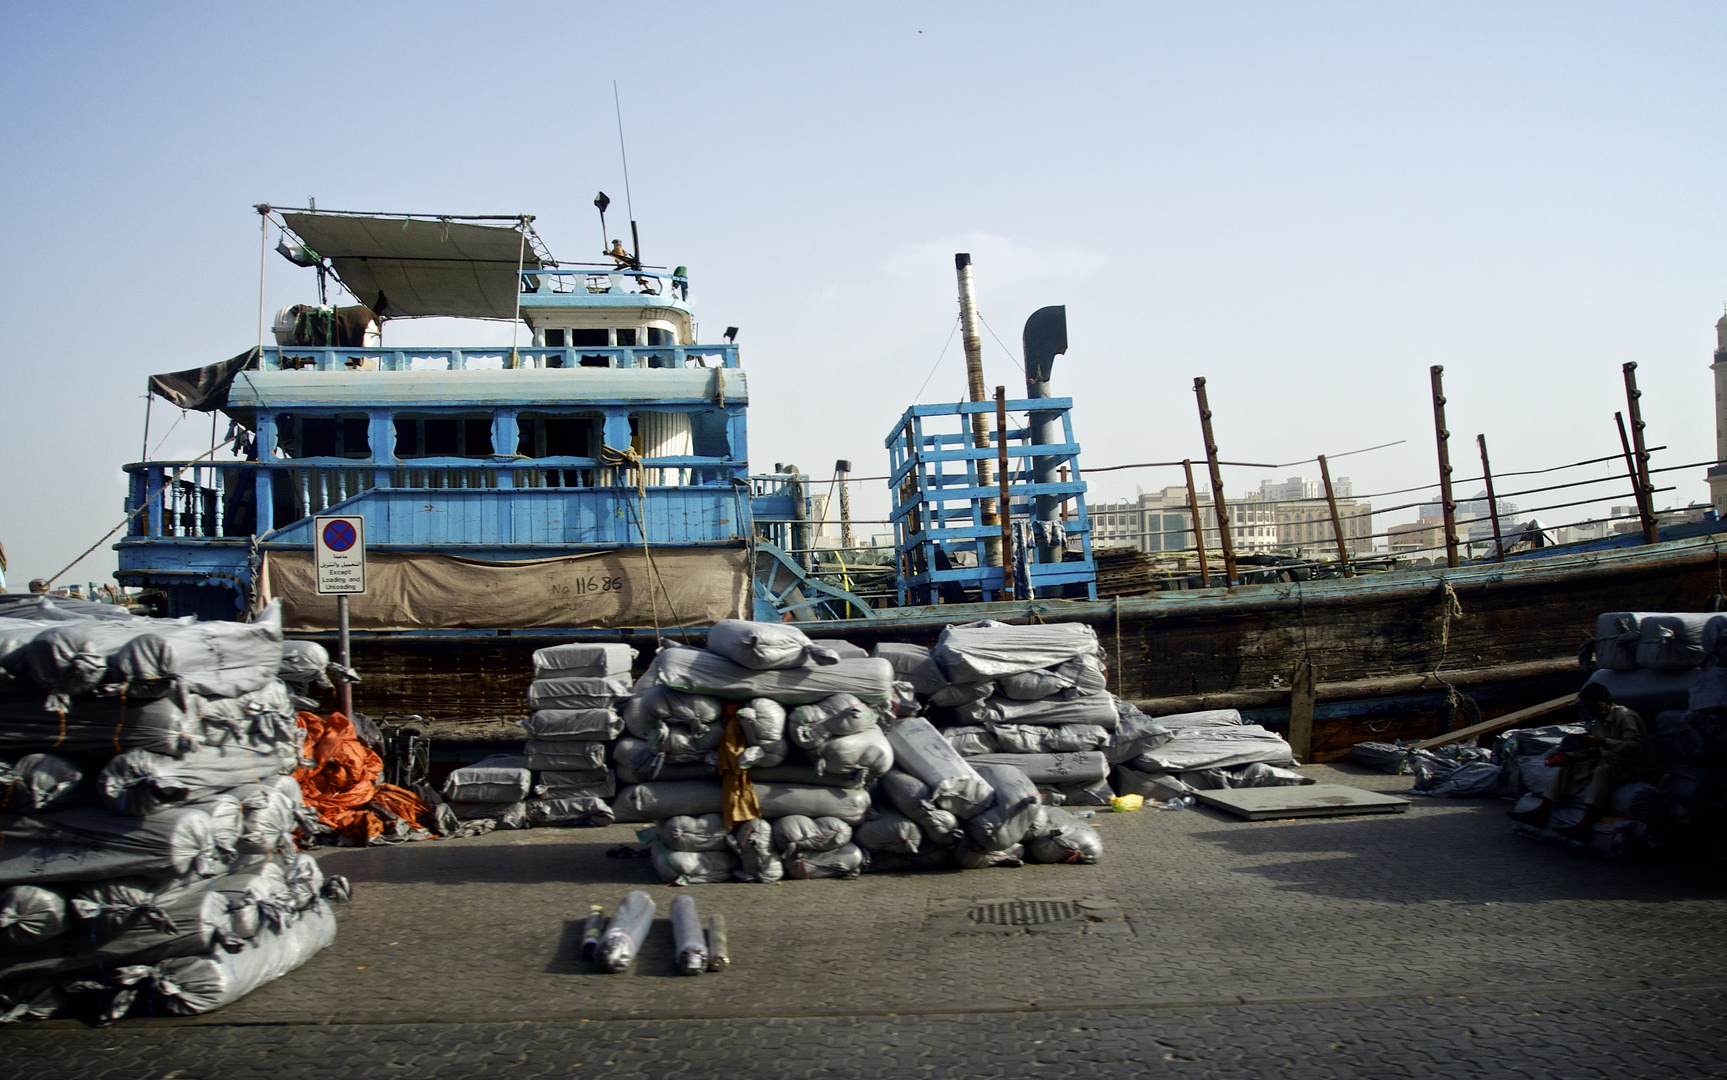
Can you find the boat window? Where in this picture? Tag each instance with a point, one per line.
(659, 335)
(627, 335)
(581, 337)
(345, 435)
(542, 435)
(443, 436)
(555, 338)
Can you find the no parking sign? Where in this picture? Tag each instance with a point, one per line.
(339, 546)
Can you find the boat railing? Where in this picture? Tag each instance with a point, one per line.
(240, 499)
(497, 358)
(606, 281)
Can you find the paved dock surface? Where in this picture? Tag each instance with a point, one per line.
(1432, 943)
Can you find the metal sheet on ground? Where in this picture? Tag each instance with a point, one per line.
(1313, 800)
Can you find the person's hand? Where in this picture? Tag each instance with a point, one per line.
(1594, 740)
(1554, 760)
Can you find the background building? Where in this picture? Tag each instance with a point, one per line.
(1295, 520)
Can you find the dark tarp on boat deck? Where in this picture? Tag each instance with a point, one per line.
(204, 388)
(406, 267)
(412, 591)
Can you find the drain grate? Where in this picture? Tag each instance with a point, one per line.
(1022, 913)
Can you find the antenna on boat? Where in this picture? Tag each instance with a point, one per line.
(629, 203)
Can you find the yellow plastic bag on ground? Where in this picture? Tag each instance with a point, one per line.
(1121, 804)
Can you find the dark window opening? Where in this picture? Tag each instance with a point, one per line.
(589, 338)
(443, 436)
(540, 435)
(555, 338)
(627, 336)
(324, 436)
(659, 336)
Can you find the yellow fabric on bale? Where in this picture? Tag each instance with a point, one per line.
(737, 794)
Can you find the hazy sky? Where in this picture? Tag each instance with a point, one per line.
(1306, 203)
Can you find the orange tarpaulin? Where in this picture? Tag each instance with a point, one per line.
(342, 783)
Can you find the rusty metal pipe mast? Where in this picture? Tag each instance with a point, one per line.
(1336, 525)
(987, 513)
(1638, 493)
(1198, 523)
(1634, 405)
(1492, 500)
(1447, 504)
(1227, 541)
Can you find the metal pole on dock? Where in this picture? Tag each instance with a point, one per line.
(1198, 525)
(987, 513)
(1633, 404)
(345, 692)
(1492, 500)
(1644, 513)
(1447, 504)
(1227, 541)
(1007, 585)
(1336, 525)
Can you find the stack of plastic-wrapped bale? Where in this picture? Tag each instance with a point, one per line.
(1033, 697)
(564, 776)
(148, 813)
(845, 774)
(1671, 669)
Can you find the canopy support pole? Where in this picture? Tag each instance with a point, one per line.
(516, 321)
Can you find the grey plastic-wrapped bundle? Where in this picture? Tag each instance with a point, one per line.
(639, 763)
(507, 815)
(1036, 739)
(1649, 691)
(850, 805)
(227, 821)
(753, 840)
(582, 660)
(70, 659)
(1134, 734)
(271, 812)
(763, 723)
(699, 671)
(1149, 785)
(913, 664)
(970, 739)
(911, 797)
(959, 695)
(487, 782)
(811, 726)
(1216, 747)
(41, 782)
(1096, 710)
(1096, 793)
(1204, 718)
(889, 833)
(1671, 642)
(1617, 635)
(259, 896)
(800, 771)
(1709, 691)
(954, 785)
(989, 650)
(693, 867)
(847, 861)
(1453, 778)
(1084, 767)
(649, 711)
(1520, 753)
(763, 646)
(88, 844)
(30, 915)
(1083, 675)
(664, 798)
(564, 754)
(578, 810)
(97, 725)
(701, 832)
(1640, 801)
(687, 937)
(139, 782)
(795, 833)
(1063, 838)
(971, 857)
(579, 725)
(185, 921)
(856, 759)
(682, 747)
(304, 664)
(1011, 816)
(216, 659)
(577, 783)
(845, 650)
(198, 984)
(257, 720)
(578, 692)
(626, 932)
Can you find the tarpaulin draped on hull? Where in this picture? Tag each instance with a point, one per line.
(404, 591)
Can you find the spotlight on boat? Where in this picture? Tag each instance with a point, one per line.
(602, 202)
(298, 254)
(731, 335)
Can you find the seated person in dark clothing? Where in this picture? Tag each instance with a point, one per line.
(1614, 752)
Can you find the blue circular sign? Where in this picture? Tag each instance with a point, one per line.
(339, 536)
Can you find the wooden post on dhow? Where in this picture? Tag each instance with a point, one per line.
(1644, 512)
(1303, 692)
(1633, 404)
(1216, 484)
(1492, 500)
(1198, 524)
(1447, 504)
(1336, 525)
(986, 509)
(1006, 512)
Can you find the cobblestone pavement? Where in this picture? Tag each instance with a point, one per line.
(1427, 943)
